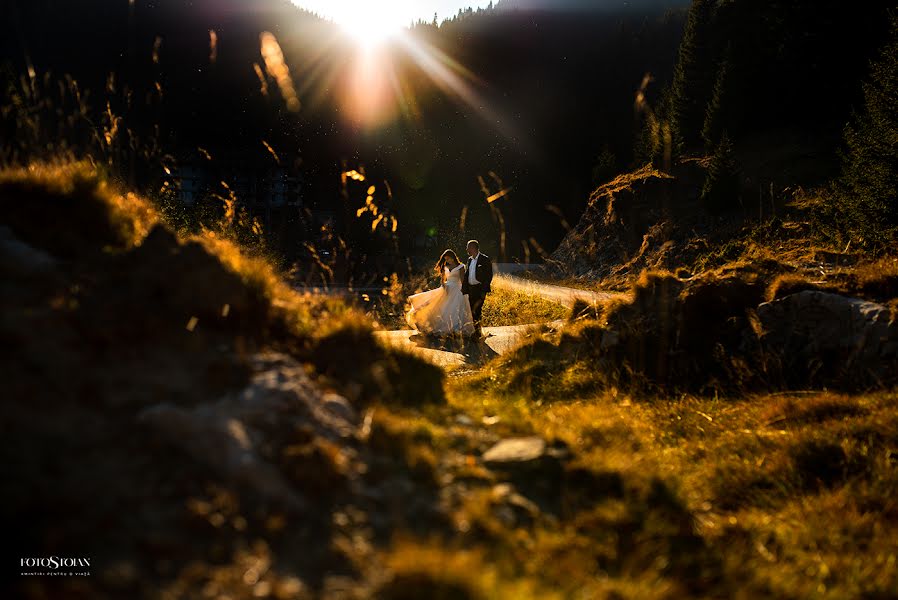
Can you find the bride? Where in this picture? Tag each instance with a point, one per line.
(444, 310)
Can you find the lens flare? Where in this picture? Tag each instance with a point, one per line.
(277, 68)
(369, 99)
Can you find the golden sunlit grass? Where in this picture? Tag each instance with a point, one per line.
(448, 573)
(76, 208)
(787, 494)
(792, 494)
(71, 211)
(875, 280)
(626, 181)
(508, 307)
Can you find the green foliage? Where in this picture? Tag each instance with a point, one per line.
(748, 67)
(653, 141)
(605, 167)
(719, 107)
(721, 190)
(868, 189)
(692, 81)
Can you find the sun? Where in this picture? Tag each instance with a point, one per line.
(370, 25)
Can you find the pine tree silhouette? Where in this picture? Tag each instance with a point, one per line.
(693, 80)
(718, 111)
(868, 189)
(721, 190)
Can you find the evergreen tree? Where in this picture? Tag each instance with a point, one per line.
(721, 190)
(868, 189)
(605, 168)
(718, 111)
(692, 80)
(653, 140)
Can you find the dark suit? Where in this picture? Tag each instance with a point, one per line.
(477, 293)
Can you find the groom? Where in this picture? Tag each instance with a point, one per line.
(476, 284)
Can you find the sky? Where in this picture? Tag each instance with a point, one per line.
(398, 12)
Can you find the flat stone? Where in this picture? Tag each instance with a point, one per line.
(464, 420)
(516, 451)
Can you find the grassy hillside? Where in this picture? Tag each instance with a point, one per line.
(197, 428)
(171, 402)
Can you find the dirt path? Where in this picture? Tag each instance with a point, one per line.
(452, 354)
(455, 354)
(555, 293)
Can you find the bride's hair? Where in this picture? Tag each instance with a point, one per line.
(441, 264)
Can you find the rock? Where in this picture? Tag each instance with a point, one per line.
(532, 465)
(511, 508)
(515, 451)
(18, 258)
(843, 340)
(226, 435)
(464, 420)
(223, 445)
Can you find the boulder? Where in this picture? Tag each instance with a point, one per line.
(226, 435)
(826, 338)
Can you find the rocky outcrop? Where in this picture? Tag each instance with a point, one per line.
(830, 338)
(714, 333)
(629, 222)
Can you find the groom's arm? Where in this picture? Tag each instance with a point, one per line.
(488, 279)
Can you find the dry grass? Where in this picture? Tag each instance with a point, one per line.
(507, 307)
(626, 182)
(672, 494)
(786, 495)
(875, 280)
(666, 494)
(70, 208)
(108, 314)
(450, 573)
(123, 275)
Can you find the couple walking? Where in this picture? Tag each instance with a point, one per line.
(456, 306)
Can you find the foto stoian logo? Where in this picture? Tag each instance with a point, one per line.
(55, 566)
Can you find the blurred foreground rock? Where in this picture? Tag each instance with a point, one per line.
(226, 435)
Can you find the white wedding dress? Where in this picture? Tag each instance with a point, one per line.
(444, 310)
